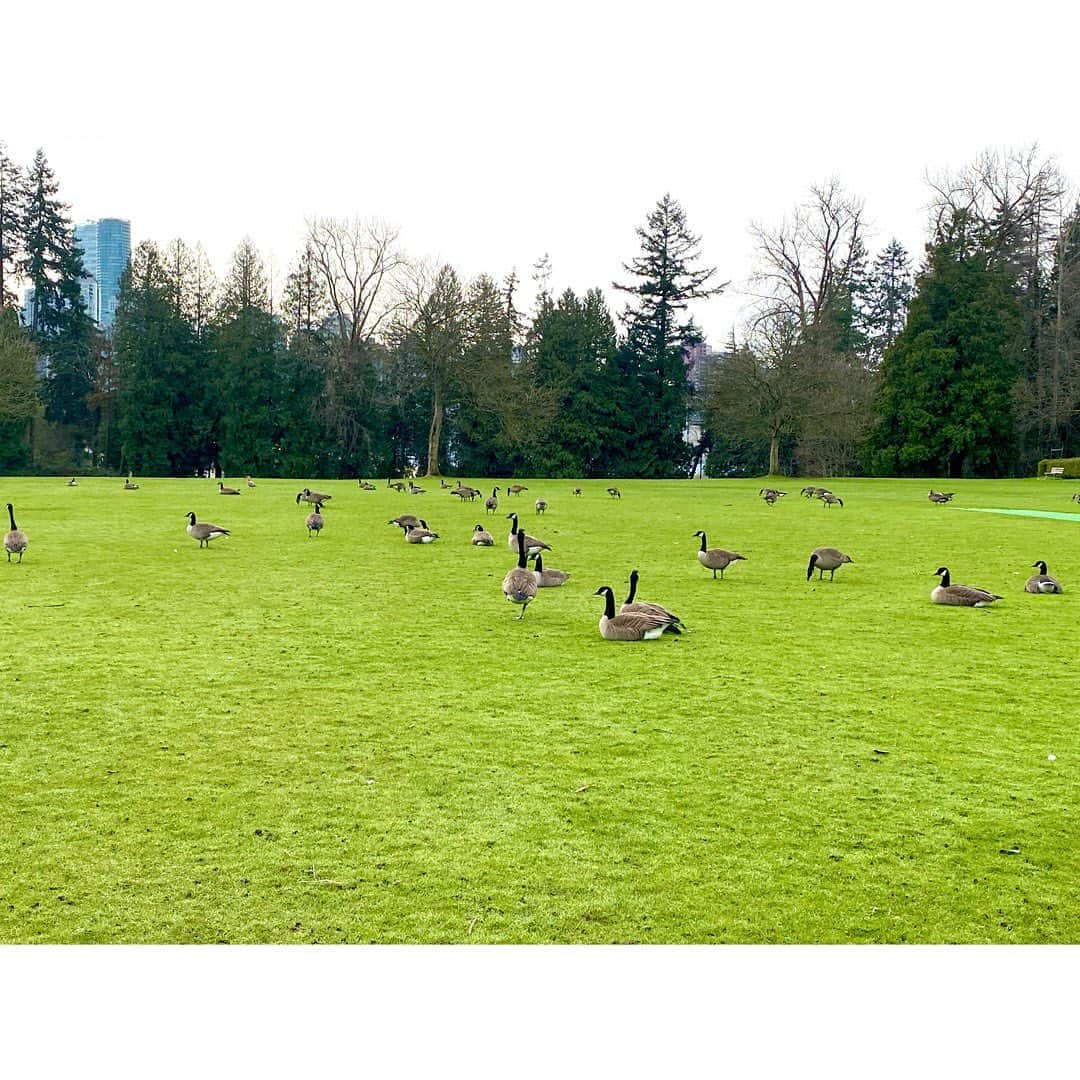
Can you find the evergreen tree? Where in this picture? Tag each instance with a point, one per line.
(12, 197)
(19, 401)
(886, 299)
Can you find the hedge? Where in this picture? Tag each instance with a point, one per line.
(1071, 465)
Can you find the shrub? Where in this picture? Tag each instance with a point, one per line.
(1071, 465)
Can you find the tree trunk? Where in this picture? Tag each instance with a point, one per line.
(774, 456)
(434, 434)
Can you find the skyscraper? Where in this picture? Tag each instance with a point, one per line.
(106, 248)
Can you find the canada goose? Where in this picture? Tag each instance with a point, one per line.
(203, 531)
(129, 485)
(614, 492)
(939, 498)
(829, 498)
(1076, 496)
(72, 482)
(771, 496)
(223, 490)
(444, 485)
(420, 534)
(397, 485)
(365, 486)
(809, 492)
(535, 545)
(414, 490)
(716, 558)
(15, 541)
(405, 521)
(541, 505)
(309, 496)
(1042, 582)
(250, 483)
(577, 491)
(314, 521)
(491, 503)
(959, 595)
(826, 558)
(768, 491)
(641, 607)
(482, 538)
(463, 492)
(516, 489)
(548, 579)
(632, 627)
(519, 586)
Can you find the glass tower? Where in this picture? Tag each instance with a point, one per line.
(106, 248)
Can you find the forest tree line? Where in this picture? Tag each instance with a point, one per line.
(369, 362)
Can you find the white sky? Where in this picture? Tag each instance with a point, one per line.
(491, 132)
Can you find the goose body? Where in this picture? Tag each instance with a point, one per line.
(516, 489)
(629, 627)
(481, 537)
(365, 486)
(414, 490)
(397, 485)
(1076, 496)
(826, 558)
(203, 531)
(405, 521)
(577, 491)
(960, 595)
(15, 541)
(939, 498)
(1042, 582)
(309, 496)
(641, 607)
(519, 586)
(420, 534)
(250, 483)
(828, 498)
(614, 492)
(129, 486)
(314, 521)
(541, 505)
(548, 579)
(223, 490)
(533, 545)
(716, 558)
(72, 482)
(491, 503)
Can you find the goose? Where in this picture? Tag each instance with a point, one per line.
(15, 541)
(577, 491)
(250, 483)
(420, 534)
(641, 607)
(548, 579)
(632, 627)
(829, 498)
(614, 492)
(771, 496)
(541, 505)
(1076, 497)
(519, 586)
(405, 521)
(826, 558)
(959, 595)
(535, 545)
(809, 492)
(203, 531)
(72, 482)
(223, 490)
(414, 490)
(716, 558)
(1042, 582)
(516, 489)
(775, 492)
(309, 496)
(491, 503)
(129, 485)
(314, 521)
(444, 485)
(397, 485)
(481, 537)
(365, 486)
(463, 492)
(939, 498)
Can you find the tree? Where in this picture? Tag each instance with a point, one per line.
(886, 300)
(19, 400)
(12, 198)
(658, 332)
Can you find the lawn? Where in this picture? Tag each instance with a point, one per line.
(352, 739)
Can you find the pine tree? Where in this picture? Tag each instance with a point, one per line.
(886, 299)
(12, 199)
(18, 390)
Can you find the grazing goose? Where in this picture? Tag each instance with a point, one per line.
(72, 482)
(541, 505)
(397, 485)
(405, 521)
(519, 585)
(959, 595)
(826, 558)
(809, 492)
(577, 491)
(775, 493)
(203, 531)
(15, 541)
(314, 521)
(482, 538)
(309, 496)
(716, 558)
(614, 492)
(535, 546)
(250, 483)
(641, 607)
(516, 489)
(632, 627)
(1042, 582)
(129, 485)
(548, 579)
(223, 490)
(420, 534)
(491, 503)
(828, 498)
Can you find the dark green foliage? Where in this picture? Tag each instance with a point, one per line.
(12, 198)
(18, 391)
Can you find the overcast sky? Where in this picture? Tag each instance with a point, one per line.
(492, 132)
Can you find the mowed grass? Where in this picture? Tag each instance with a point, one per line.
(352, 739)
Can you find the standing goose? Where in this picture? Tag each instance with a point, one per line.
(15, 541)
(203, 531)
(516, 489)
(548, 579)
(614, 492)
(534, 545)
(491, 503)
(632, 627)
(939, 498)
(519, 585)
(482, 538)
(420, 534)
(223, 490)
(829, 498)
(1076, 496)
(826, 558)
(716, 558)
(641, 607)
(405, 521)
(959, 595)
(1042, 582)
(541, 505)
(314, 521)
(809, 492)
(577, 491)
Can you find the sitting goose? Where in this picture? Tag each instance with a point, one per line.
(405, 521)
(414, 490)
(482, 538)
(365, 486)
(15, 541)
(223, 490)
(716, 558)
(250, 483)
(577, 491)
(631, 627)
(548, 579)
(826, 558)
(491, 503)
(203, 531)
(397, 485)
(420, 534)
(959, 595)
(1042, 582)
(939, 498)
(534, 545)
(72, 482)
(641, 607)
(129, 485)
(519, 586)
(314, 521)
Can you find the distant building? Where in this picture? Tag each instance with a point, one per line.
(106, 248)
(698, 360)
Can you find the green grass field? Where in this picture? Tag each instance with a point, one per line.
(352, 739)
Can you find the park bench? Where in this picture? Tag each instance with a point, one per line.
(1057, 470)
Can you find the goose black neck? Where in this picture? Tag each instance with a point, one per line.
(703, 547)
(523, 559)
(1042, 566)
(945, 579)
(539, 563)
(609, 603)
(633, 588)
(11, 515)
(810, 568)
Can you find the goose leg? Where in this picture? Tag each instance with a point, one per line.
(714, 575)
